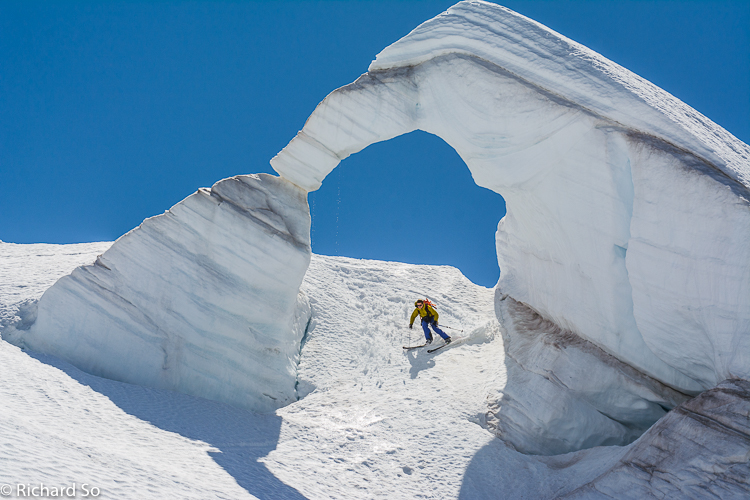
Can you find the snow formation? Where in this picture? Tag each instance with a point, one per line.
(624, 289)
(628, 212)
(203, 299)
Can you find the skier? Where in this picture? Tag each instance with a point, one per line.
(429, 318)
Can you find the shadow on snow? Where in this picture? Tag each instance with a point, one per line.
(241, 435)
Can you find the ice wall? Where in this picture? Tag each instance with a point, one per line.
(628, 219)
(700, 450)
(564, 393)
(203, 299)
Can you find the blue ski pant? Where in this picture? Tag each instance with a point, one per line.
(428, 334)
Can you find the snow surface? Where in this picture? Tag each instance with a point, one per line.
(628, 212)
(375, 422)
(28, 270)
(624, 291)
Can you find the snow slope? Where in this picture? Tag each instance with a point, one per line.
(625, 290)
(375, 422)
(28, 270)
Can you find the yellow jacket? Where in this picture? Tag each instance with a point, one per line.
(426, 311)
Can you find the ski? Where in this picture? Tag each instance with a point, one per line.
(438, 348)
(453, 342)
(414, 347)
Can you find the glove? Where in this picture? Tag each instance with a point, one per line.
(411, 326)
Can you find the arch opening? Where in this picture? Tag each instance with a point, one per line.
(410, 199)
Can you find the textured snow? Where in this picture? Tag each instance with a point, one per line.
(202, 299)
(624, 291)
(61, 426)
(26, 271)
(628, 212)
(375, 421)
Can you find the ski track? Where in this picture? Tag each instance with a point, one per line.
(373, 420)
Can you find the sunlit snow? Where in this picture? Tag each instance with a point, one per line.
(612, 358)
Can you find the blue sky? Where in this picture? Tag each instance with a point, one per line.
(111, 112)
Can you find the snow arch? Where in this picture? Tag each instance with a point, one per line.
(595, 165)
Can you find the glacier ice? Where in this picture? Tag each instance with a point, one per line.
(628, 212)
(700, 450)
(203, 299)
(625, 285)
(564, 393)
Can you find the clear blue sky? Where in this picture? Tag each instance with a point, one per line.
(111, 112)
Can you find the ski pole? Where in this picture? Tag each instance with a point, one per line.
(451, 328)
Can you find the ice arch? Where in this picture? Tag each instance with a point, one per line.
(596, 166)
